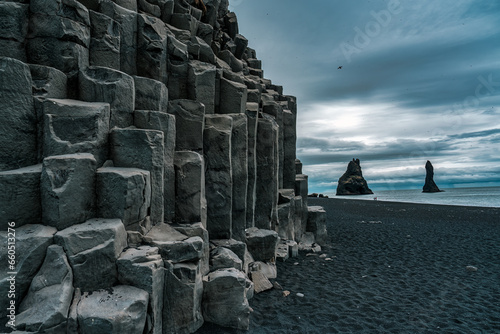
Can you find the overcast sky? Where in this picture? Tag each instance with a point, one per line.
(419, 80)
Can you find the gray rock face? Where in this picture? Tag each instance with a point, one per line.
(102, 84)
(316, 223)
(189, 124)
(121, 309)
(430, 186)
(128, 33)
(143, 149)
(68, 189)
(201, 78)
(143, 268)
(233, 97)
(252, 122)
(267, 173)
(191, 205)
(224, 299)
(150, 95)
(123, 193)
(182, 298)
(31, 245)
(46, 305)
(20, 200)
(151, 48)
(92, 249)
(155, 116)
(18, 116)
(262, 243)
(352, 182)
(48, 82)
(239, 167)
(72, 126)
(14, 18)
(218, 175)
(161, 121)
(104, 49)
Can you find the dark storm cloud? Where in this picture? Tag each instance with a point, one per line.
(418, 80)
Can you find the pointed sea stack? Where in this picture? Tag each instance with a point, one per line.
(352, 182)
(430, 186)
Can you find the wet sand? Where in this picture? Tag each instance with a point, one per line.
(392, 268)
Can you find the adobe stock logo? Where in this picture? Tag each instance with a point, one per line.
(372, 30)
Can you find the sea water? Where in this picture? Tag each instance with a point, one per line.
(484, 197)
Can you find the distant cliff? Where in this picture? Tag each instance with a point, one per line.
(352, 182)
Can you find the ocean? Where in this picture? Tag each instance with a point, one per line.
(483, 197)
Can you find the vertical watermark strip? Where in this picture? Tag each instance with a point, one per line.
(11, 273)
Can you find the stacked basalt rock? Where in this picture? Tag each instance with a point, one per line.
(146, 163)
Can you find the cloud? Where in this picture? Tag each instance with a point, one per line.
(423, 84)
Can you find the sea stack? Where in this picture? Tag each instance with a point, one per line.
(430, 186)
(352, 182)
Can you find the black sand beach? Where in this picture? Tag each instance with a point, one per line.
(390, 268)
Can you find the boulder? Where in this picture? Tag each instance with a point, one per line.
(225, 300)
(221, 257)
(48, 82)
(18, 123)
(218, 175)
(71, 126)
(104, 47)
(190, 201)
(47, 303)
(31, 244)
(353, 182)
(123, 193)
(262, 243)
(20, 200)
(143, 149)
(189, 124)
(182, 298)
(92, 249)
(119, 309)
(143, 268)
(197, 230)
(316, 223)
(173, 245)
(161, 121)
(237, 247)
(68, 189)
(150, 94)
(430, 186)
(102, 84)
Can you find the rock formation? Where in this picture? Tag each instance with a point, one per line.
(430, 186)
(146, 166)
(352, 182)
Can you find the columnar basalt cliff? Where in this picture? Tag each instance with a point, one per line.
(146, 165)
(352, 181)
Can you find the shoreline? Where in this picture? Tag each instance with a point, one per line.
(393, 267)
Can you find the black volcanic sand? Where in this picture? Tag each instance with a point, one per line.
(395, 268)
